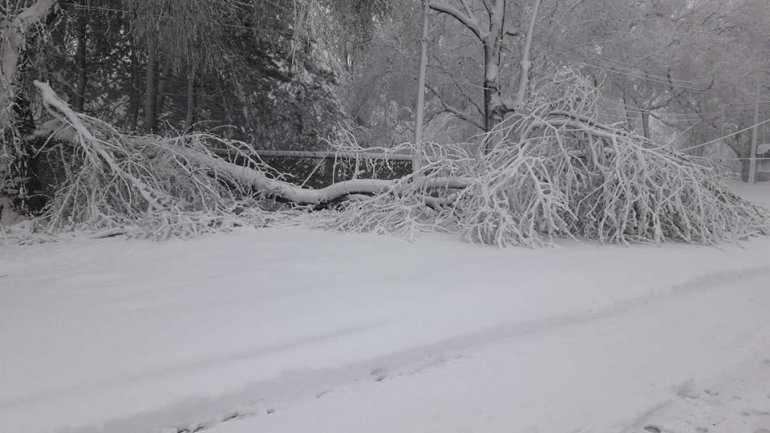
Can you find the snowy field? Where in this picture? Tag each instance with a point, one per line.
(288, 330)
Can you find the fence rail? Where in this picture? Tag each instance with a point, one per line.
(332, 154)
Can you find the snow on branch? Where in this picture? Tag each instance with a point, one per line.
(277, 188)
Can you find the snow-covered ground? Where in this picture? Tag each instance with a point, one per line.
(288, 330)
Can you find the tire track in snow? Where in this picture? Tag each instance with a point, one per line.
(185, 368)
(293, 384)
(596, 375)
(703, 283)
(436, 354)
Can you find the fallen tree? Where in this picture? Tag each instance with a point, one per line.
(176, 186)
(552, 171)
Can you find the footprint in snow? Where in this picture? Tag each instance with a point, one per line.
(379, 374)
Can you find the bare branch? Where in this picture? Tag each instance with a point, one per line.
(438, 61)
(456, 112)
(467, 7)
(471, 23)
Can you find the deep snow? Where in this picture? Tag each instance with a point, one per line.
(288, 330)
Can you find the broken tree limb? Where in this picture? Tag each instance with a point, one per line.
(57, 107)
(277, 188)
(244, 176)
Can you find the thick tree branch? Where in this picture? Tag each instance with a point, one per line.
(260, 182)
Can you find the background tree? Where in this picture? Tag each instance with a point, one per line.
(18, 21)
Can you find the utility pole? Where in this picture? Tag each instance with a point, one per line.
(754, 135)
(722, 124)
(416, 161)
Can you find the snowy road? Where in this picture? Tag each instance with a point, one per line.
(596, 373)
(301, 331)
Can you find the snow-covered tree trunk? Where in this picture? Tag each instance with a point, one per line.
(494, 107)
(81, 60)
(496, 104)
(135, 94)
(491, 39)
(190, 114)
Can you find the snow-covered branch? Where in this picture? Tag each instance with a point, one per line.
(277, 188)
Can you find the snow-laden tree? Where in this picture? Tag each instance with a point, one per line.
(486, 21)
(17, 21)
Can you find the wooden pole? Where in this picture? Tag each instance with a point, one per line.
(416, 162)
(722, 124)
(754, 135)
